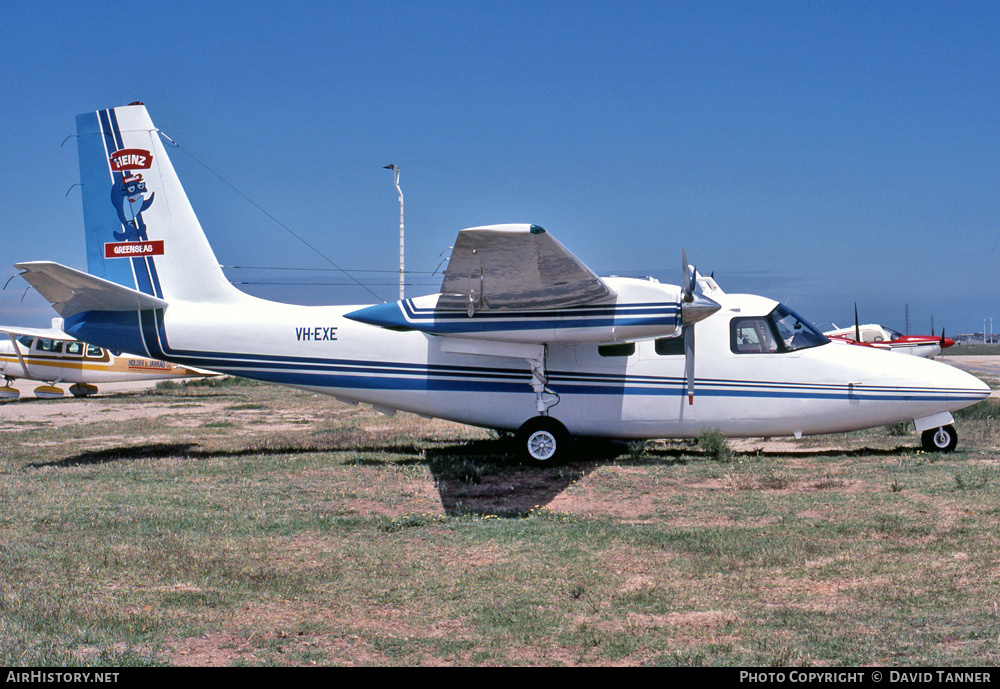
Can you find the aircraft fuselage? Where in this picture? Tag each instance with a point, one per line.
(617, 390)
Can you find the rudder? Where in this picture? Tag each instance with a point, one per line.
(141, 231)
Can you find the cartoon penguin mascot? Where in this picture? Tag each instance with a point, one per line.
(127, 195)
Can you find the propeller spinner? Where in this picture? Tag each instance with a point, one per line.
(694, 308)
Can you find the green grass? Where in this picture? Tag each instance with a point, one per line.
(332, 535)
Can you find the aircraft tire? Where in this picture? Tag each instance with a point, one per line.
(82, 389)
(942, 439)
(543, 441)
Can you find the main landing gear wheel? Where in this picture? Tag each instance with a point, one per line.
(543, 441)
(942, 439)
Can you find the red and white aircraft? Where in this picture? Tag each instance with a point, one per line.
(881, 337)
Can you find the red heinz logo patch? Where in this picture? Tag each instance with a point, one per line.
(131, 249)
(131, 159)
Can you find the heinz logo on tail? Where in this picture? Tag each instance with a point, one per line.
(131, 159)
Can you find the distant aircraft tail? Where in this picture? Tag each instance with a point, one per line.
(141, 230)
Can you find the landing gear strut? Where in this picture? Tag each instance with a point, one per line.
(542, 440)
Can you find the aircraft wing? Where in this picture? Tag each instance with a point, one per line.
(522, 267)
(46, 333)
(72, 291)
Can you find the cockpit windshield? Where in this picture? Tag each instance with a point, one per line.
(780, 331)
(795, 331)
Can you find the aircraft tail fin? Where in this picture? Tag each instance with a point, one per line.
(141, 230)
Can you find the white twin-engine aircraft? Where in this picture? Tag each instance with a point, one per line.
(51, 357)
(522, 337)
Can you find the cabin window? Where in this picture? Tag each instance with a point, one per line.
(95, 352)
(26, 340)
(670, 346)
(75, 348)
(44, 345)
(623, 349)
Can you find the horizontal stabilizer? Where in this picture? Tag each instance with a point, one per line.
(71, 291)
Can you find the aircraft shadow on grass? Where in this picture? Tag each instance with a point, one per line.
(476, 478)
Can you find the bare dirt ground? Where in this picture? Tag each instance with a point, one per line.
(29, 409)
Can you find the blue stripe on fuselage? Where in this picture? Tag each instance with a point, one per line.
(406, 315)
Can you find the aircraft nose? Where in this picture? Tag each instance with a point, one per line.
(938, 384)
(963, 380)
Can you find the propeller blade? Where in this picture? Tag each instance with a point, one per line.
(693, 309)
(689, 361)
(857, 328)
(687, 284)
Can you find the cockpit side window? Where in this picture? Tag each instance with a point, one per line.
(780, 331)
(752, 336)
(94, 352)
(26, 341)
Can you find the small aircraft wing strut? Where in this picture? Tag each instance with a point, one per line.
(17, 350)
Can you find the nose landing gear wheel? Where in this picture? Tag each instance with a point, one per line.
(942, 439)
(543, 441)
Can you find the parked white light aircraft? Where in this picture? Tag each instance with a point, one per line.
(879, 336)
(52, 357)
(523, 336)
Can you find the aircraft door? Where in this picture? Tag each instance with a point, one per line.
(601, 376)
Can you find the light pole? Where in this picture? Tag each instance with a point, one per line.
(395, 179)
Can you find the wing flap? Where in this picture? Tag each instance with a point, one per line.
(504, 267)
(71, 291)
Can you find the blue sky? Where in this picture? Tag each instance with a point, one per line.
(820, 153)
